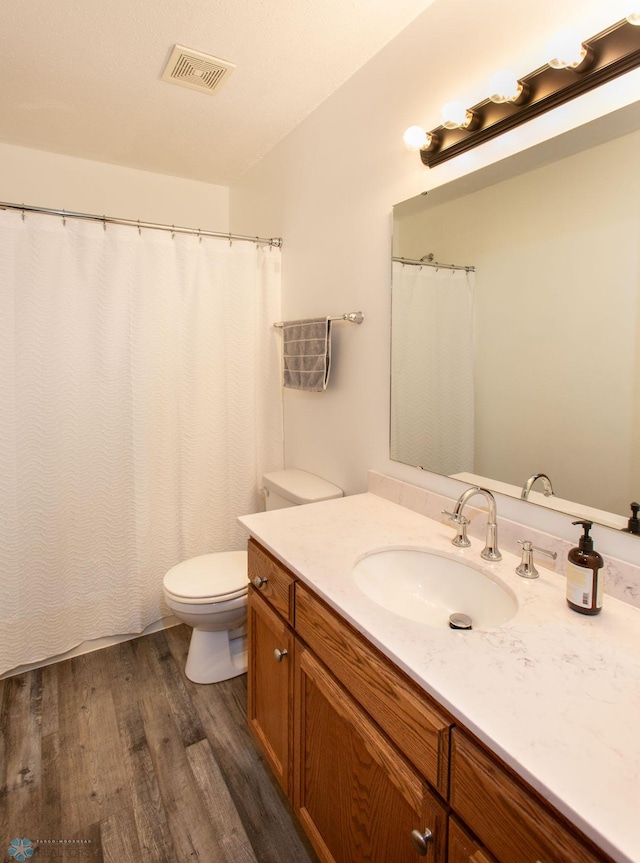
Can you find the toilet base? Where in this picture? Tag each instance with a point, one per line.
(214, 656)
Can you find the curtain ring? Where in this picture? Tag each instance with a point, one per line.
(23, 212)
(199, 236)
(64, 220)
(139, 229)
(173, 232)
(230, 242)
(104, 223)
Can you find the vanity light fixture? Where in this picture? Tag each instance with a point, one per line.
(593, 62)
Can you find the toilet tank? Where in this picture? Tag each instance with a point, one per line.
(293, 487)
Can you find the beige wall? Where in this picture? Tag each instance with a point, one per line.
(329, 186)
(57, 182)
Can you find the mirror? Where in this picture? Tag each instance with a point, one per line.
(530, 363)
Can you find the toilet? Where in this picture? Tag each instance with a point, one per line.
(209, 592)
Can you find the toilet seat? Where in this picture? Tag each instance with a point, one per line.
(218, 577)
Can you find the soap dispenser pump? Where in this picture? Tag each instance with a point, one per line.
(584, 579)
(633, 525)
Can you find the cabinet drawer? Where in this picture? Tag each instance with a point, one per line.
(271, 579)
(508, 818)
(419, 731)
(462, 848)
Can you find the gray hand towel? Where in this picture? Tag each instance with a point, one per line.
(307, 354)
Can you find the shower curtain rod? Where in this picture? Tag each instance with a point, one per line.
(431, 263)
(110, 220)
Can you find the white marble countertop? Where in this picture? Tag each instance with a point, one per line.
(554, 693)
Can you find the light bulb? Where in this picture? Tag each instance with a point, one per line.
(415, 138)
(505, 87)
(455, 116)
(566, 50)
(633, 14)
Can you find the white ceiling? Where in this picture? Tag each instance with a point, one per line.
(82, 77)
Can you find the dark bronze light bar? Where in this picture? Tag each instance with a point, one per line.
(612, 53)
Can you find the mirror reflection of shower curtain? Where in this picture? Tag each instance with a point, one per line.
(432, 406)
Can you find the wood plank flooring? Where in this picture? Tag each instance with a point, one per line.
(119, 752)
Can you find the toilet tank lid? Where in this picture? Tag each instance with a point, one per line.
(299, 487)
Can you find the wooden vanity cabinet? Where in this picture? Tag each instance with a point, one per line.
(367, 758)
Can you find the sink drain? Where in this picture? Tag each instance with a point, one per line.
(460, 621)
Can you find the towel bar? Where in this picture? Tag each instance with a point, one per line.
(352, 317)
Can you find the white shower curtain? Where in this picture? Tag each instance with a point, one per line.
(432, 404)
(139, 407)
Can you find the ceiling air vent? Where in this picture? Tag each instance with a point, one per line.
(194, 69)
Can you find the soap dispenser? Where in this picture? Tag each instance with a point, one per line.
(633, 525)
(584, 578)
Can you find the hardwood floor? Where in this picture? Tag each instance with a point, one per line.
(118, 751)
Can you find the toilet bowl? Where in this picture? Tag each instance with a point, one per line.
(209, 592)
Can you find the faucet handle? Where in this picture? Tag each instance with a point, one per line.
(459, 519)
(526, 568)
(461, 540)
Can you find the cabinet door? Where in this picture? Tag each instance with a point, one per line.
(270, 686)
(355, 794)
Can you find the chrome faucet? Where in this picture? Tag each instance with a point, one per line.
(490, 550)
(546, 483)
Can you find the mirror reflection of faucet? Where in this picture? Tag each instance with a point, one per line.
(490, 550)
(546, 485)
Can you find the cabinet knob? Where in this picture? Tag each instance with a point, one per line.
(259, 581)
(420, 841)
(279, 655)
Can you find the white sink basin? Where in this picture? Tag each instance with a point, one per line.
(427, 586)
